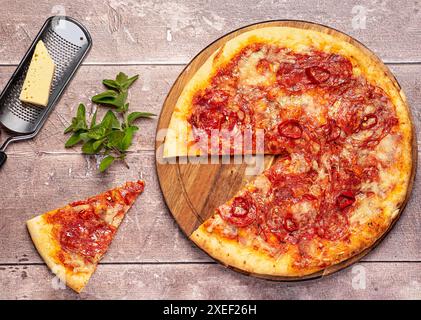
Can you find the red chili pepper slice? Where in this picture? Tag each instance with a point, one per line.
(242, 212)
(290, 225)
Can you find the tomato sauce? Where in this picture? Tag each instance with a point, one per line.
(82, 232)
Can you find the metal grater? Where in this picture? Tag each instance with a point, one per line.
(67, 42)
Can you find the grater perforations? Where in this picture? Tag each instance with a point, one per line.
(62, 52)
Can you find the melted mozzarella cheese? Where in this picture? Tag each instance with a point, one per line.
(250, 76)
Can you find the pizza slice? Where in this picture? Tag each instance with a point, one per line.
(73, 239)
(292, 221)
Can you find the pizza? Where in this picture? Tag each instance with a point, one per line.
(341, 134)
(73, 239)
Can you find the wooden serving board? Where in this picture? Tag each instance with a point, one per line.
(193, 191)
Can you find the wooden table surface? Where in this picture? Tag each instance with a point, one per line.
(150, 258)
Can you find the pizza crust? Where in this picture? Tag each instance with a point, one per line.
(179, 137)
(257, 262)
(231, 253)
(47, 247)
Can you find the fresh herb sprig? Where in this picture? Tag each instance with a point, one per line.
(110, 137)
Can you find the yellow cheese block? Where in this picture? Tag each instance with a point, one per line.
(37, 84)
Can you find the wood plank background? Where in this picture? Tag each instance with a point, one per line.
(150, 257)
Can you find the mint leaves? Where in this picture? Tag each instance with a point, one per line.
(111, 137)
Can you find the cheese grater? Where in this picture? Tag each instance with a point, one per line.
(67, 42)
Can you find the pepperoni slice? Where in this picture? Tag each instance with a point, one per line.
(332, 226)
(317, 74)
(290, 129)
(82, 232)
(274, 219)
(368, 121)
(206, 119)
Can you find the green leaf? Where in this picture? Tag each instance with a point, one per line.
(105, 163)
(84, 136)
(129, 82)
(112, 98)
(121, 83)
(97, 132)
(121, 78)
(136, 115)
(126, 142)
(93, 121)
(112, 84)
(125, 108)
(88, 147)
(120, 100)
(114, 139)
(110, 121)
(101, 130)
(73, 140)
(98, 145)
(81, 112)
(104, 97)
(78, 122)
(69, 129)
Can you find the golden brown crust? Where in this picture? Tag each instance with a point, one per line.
(372, 216)
(291, 263)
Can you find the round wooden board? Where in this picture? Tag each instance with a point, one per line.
(193, 191)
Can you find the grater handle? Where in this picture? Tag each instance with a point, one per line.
(3, 158)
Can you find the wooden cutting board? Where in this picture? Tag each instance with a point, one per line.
(193, 191)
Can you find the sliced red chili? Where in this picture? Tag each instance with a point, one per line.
(242, 212)
(308, 197)
(345, 199)
(290, 225)
(290, 129)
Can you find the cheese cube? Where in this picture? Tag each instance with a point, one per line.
(37, 84)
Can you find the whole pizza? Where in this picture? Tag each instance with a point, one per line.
(342, 134)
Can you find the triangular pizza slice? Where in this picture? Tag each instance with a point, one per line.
(292, 221)
(74, 238)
